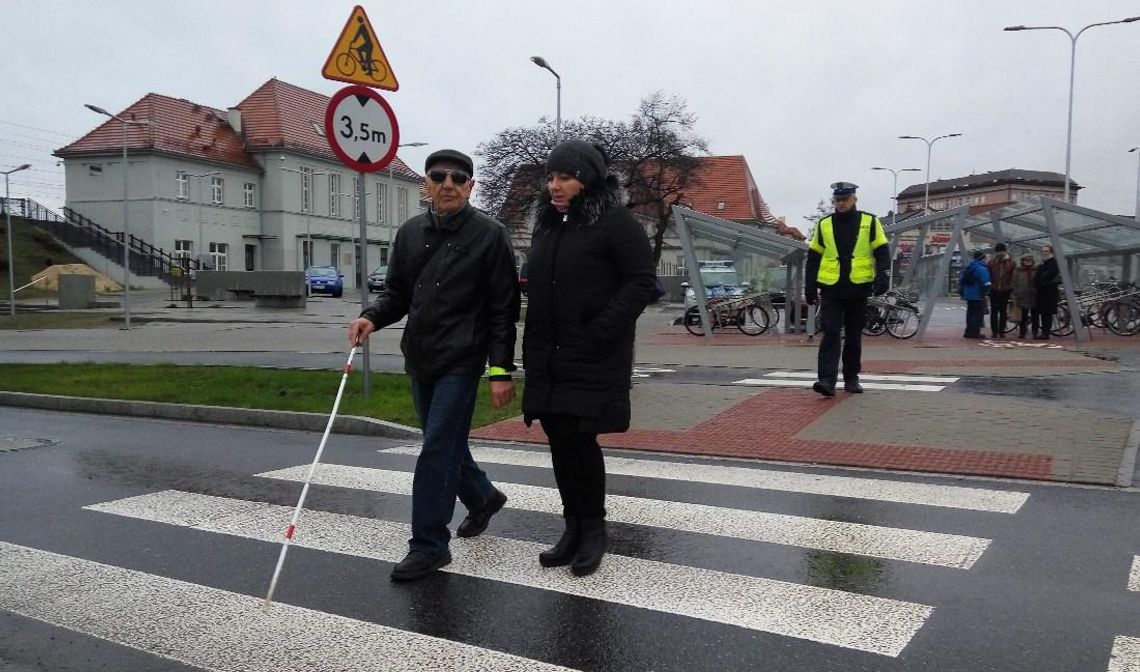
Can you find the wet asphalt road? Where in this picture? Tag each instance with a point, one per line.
(1048, 594)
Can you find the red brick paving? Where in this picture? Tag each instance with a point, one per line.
(765, 427)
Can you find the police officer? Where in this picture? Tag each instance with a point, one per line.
(849, 260)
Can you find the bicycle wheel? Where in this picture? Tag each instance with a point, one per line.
(902, 322)
(753, 321)
(1123, 319)
(875, 323)
(346, 64)
(1062, 321)
(379, 72)
(692, 321)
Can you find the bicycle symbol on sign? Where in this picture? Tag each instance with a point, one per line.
(360, 56)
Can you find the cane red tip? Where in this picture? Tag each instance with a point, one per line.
(347, 368)
(289, 532)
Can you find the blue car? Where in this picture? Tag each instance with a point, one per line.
(324, 280)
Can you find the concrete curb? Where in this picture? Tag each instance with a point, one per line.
(1128, 462)
(311, 422)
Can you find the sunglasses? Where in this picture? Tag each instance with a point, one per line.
(438, 175)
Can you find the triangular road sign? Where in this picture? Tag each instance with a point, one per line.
(357, 57)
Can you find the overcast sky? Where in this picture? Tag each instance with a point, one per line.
(809, 92)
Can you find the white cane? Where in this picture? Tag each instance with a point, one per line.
(289, 531)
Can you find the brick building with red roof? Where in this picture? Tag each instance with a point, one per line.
(254, 186)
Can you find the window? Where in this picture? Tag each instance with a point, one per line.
(356, 199)
(334, 255)
(401, 204)
(306, 189)
(183, 182)
(334, 194)
(217, 191)
(183, 249)
(250, 257)
(248, 198)
(218, 253)
(95, 171)
(720, 205)
(381, 202)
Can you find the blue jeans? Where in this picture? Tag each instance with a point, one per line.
(445, 468)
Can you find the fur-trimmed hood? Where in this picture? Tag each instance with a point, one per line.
(586, 208)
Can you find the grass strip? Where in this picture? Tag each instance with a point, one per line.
(55, 320)
(237, 387)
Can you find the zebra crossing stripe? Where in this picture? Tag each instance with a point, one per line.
(1134, 575)
(792, 382)
(216, 629)
(1125, 655)
(903, 492)
(862, 622)
(932, 548)
(887, 378)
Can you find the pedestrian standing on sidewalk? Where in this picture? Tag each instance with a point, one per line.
(1047, 281)
(452, 272)
(1024, 294)
(848, 261)
(590, 275)
(974, 284)
(1001, 287)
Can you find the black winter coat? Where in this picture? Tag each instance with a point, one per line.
(589, 278)
(454, 278)
(1047, 281)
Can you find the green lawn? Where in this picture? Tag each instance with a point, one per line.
(55, 320)
(33, 250)
(236, 386)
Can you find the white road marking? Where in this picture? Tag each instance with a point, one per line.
(887, 378)
(219, 630)
(928, 494)
(792, 382)
(1134, 575)
(1125, 655)
(862, 622)
(932, 548)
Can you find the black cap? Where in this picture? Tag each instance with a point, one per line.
(843, 188)
(586, 162)
(1000, 247)
(450, 155)
(979, 254)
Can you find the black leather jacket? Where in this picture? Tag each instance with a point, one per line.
(454, 277)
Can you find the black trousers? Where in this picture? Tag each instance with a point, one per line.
(999, 305)
(975, 317)
(835, 316)
(579, 468)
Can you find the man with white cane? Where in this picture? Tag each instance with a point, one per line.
(452, 272)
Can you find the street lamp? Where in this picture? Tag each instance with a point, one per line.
(929, 147)
(8, 226)
(126, 227)
(895, 190)
(1136, 216)
(541, 62)
(1072, 75)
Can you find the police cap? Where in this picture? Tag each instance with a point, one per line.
(843, 188)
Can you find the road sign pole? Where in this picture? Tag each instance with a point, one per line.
(362, 272)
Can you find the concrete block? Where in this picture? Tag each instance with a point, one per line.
(76, 292)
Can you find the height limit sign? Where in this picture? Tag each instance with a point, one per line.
(361, 129)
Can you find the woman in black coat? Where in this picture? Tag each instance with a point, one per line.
(590, 275)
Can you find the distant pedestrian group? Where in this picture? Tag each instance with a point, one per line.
(1024, 294)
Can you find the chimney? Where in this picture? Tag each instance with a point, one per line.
(235, 119)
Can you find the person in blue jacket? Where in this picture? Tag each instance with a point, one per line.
(973, 286)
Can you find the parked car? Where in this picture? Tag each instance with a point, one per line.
(324, 280)
(719, 278)
(376, 279)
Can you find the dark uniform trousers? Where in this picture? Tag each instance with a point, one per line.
(835, 315)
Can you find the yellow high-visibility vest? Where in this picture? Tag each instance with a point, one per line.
(870, 238)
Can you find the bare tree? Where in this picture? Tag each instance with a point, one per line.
(655, 155)
(821, 210)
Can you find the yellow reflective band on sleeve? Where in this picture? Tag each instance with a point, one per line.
(497, 371)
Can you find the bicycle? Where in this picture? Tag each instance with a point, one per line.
(347, 63)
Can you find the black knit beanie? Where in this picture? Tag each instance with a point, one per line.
(586, 162)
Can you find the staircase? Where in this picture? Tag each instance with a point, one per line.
(80, 234)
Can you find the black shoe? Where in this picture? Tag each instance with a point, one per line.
(476, 521)
(824, 389)
(562, 552)
(592, 545)
(853, 387)
(418, 564)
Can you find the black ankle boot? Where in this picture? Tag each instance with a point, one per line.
(592, 545)
(563, 551)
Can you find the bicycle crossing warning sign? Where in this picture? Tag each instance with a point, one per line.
(357, 57)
